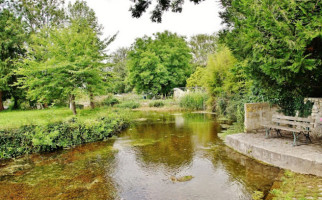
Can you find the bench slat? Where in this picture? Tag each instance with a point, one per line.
(293, 118)
(283, 128)
(301, 124)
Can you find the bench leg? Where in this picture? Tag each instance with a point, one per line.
(296, 137)
(278, 133)
(307, 137)
(267, 132)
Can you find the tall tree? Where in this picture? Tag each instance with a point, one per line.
(281, 42)
(202, 46)
(38, 14)
(79, 13)
(118, 64)
(61, 63)
(12, 38)
(157, 65)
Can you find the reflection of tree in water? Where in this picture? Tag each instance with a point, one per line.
(205, 134)
(252, 174)
(81, 172)
(169, 147)
(169, 140)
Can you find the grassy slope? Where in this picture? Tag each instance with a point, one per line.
(15, 119)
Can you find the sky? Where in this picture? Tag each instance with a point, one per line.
(115, 16)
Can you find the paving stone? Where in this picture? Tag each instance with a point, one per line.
(305, 159)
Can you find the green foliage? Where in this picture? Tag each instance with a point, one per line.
(12, 37)
(158, 65)
(110, 101)
(129, 104)
(62, 63)
(40, 14)
(198, 78)
(156, 104)
(202, 46)
(194, 100)
(291, 105)
(221, 78)
(280, 41)
(58, 135)
(118, 64)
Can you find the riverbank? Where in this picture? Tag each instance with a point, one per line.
(52, 129)
(305, 160)
(157, 151)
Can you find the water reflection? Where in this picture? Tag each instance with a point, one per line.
(179, 145)
(143, 163)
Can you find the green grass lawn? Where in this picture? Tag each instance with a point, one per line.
(15, 119)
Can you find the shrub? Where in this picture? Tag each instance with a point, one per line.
(110, 101)
(129, 104)
(194, 101)
(28, 139)
(156, 104)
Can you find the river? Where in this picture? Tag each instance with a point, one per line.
(162, 156)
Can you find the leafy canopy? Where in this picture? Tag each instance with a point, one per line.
(201, 46)
(281, 42)
(157, 65)
(62, 62)
(12, 37)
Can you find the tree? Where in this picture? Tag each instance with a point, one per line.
(197, 79)
(201, 46)
(281, 42)
(12, 38)
(118, 63)
(79, 13)
(157, 65)
(40, 14)
(141, 6)
(61, 63)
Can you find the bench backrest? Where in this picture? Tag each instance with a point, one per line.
(296, 122)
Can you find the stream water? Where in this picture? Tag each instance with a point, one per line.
(161, 157)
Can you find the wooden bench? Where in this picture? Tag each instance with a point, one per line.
(296, 125)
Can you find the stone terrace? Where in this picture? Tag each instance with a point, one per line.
(305, 158)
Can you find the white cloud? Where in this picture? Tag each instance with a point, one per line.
(115, 16)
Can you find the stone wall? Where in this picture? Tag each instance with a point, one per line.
(317, 116)
(257, 114)
(261, 113)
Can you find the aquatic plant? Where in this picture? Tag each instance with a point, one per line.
(194, 101)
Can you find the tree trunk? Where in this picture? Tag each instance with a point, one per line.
(1, 102)
(72, 104)
(91, 99)
(45, 105)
